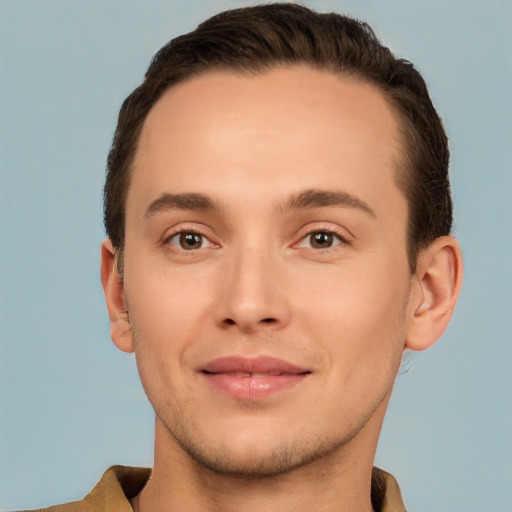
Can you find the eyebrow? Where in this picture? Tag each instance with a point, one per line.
(185, 201)
(307, 199)
(322, 198)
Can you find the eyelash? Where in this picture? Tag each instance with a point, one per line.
(185, 232)
(328, 231)
(204, 238)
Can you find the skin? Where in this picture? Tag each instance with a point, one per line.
(259, 148)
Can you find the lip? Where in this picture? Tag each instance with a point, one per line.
(252, 378)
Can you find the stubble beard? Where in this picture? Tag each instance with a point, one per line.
(260, 460)
(254, 463)
(287, 456)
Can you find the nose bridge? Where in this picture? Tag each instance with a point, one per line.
(253, 297)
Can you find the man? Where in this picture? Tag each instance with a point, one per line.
(278, 211)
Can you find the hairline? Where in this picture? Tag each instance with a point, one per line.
(402, 155)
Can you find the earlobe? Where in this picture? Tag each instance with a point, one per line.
(120, 330)
(437, 283)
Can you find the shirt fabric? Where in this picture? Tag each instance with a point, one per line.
(121, 483)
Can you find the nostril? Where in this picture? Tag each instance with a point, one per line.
(230, 321)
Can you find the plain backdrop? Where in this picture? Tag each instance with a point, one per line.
(71, 404)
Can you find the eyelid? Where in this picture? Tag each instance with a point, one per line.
(175, 241)
(187, 228)
(342, 234)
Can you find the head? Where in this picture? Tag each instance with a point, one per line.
(255, 39)
(271, 185)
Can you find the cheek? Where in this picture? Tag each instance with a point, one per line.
(362, 338)
(165, 317)
(168, 307)
(356, 315)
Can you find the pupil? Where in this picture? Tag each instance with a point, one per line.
(322, 240)
(190, 241)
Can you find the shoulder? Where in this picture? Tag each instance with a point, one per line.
(386, 495)
(114, 490)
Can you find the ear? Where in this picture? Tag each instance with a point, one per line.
(113, 287)
(437, 283)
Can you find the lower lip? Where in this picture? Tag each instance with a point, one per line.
(253, 388)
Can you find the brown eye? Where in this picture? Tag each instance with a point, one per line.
(188, 241)
(321, 240)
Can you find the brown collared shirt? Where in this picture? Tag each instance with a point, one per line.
(121, 483)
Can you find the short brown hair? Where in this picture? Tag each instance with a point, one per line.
(255, 39)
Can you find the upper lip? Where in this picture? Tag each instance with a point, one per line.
(256, 365)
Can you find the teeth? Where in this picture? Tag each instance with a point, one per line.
(254, 375)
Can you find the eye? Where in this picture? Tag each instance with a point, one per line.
(189, 241)
(320, 240)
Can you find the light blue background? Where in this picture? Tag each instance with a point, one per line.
(71, 404)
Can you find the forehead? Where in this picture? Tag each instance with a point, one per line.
(295, 123)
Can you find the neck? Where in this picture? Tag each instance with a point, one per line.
(339, 481)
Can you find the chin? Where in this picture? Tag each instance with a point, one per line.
(257, 457)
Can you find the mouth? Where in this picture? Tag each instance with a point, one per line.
(252, 378)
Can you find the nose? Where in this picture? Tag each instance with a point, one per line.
(254, 294)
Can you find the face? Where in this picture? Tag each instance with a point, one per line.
(265, 267)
